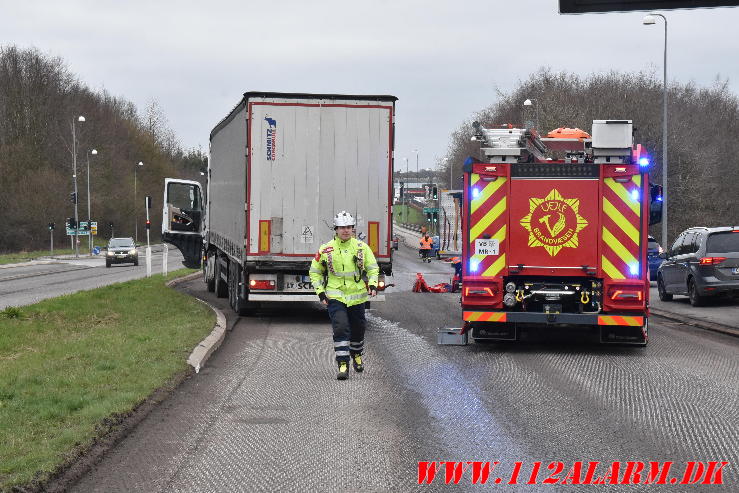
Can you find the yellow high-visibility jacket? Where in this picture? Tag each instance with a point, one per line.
(340, 268)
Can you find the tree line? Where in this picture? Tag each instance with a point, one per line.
(40, 98)
(702, 133)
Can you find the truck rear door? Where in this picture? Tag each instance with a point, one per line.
(183, 219)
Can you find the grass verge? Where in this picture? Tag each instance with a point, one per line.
(70, 363)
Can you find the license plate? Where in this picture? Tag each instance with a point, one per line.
(552, 308)
(735, 270)
(298, 283)
(486, 247)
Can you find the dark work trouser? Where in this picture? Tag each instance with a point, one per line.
(348, 324)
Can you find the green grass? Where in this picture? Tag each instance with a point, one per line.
(406, 214)
(17, 257)
(68, 363)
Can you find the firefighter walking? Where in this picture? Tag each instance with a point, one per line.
(344, 273)
(425, 249)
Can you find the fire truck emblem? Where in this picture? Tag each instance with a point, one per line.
(553, 222)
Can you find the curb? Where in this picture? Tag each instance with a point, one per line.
(207, 346)
(694, 322)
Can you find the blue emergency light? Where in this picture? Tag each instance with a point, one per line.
(474, 265)
(475, 193)
(635, 195)
(644, 162)
(634, 269)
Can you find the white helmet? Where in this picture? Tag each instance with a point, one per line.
(343, 218)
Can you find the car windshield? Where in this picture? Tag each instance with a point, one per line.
(120, 243)
(723, 243)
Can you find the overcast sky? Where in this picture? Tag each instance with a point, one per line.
(444, 60)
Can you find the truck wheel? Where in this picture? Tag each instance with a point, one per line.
(221, 286)
(209, 272)
(663, 294)
(695, 298)
(240, 305)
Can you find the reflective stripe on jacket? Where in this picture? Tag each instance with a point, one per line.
(336, 261)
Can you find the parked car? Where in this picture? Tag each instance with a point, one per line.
(653, 259)
(702, 262)
(121, 251)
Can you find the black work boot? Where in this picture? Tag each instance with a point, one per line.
(343, 373)
(357, 362)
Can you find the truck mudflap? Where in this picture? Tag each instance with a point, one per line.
(613, 328)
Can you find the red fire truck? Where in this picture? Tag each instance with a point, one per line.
(556, 243)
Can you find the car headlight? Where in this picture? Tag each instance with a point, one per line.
(111, 253)
(132, 252)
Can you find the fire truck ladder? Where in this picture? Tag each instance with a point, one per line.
(509, 144)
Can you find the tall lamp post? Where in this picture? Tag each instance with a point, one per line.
(446, 161)
(529, 102)
(74, 176)
(89, 216)
(135, 215)
(648, 21)
(406, 190)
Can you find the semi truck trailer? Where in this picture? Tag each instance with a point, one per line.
(280, 166)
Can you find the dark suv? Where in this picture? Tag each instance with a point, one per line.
(653, 251)
(120, 251)
(702, 262)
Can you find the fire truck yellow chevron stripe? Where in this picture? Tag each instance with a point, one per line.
(621, 221)
(487, 192)
(617, 247)
(620, 320)
(488, 218)
(484, 316)
(497, 266)
(620, 190)
(610, 269)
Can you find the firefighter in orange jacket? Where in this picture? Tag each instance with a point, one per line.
(426, 244)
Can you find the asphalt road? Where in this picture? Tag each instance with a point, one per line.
(30, 282)
(267, 414)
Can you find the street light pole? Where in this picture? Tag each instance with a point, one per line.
(89, 216)
(529, 102)
(649, 20)
(406, 190)
(74, 176)
(135, 201)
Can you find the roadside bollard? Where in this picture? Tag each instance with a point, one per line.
(165, 256)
